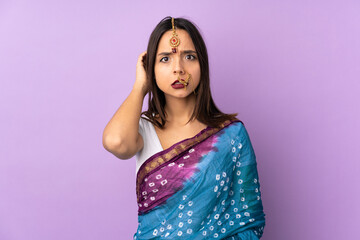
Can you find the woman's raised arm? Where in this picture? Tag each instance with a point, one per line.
(121, 135)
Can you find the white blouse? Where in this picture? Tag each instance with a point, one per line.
(152, 143)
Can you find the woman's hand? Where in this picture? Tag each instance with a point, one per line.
(141, 82)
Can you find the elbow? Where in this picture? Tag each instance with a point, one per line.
(116, 147)
(109, 142)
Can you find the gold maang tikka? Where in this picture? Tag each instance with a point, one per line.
(174, 40)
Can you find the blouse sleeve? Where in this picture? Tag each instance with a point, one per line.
(141, 127)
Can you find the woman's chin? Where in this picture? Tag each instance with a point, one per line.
(178, 94)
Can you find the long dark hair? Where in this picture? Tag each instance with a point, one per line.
(205, 109)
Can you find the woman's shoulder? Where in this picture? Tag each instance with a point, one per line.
(144, 125)
(239, 129)
(236, 123)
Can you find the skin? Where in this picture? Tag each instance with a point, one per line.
(179, 102)
(121, 136)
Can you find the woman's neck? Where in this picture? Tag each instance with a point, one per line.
(179, 110)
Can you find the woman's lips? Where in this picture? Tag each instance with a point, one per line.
(177, 81)
(177, 84)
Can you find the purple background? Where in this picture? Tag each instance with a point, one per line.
(290, 69)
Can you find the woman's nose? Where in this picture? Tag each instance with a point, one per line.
(179, 71)
(178, 68)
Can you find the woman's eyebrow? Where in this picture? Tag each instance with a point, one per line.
(185, 51)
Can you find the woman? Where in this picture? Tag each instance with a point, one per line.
(196, 169)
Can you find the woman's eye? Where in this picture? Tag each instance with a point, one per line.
(161, 60)
(193, 57)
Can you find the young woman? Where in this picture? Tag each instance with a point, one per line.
(196, 169)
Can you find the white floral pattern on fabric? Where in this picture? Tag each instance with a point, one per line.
(215, 205)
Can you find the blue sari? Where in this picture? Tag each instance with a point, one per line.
(204, 187)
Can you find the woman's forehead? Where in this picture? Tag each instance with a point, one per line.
(185, 41)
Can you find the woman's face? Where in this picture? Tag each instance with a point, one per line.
(169, 66)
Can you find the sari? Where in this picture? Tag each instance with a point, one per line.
(204, 187)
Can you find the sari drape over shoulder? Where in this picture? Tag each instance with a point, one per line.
(204, 187)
